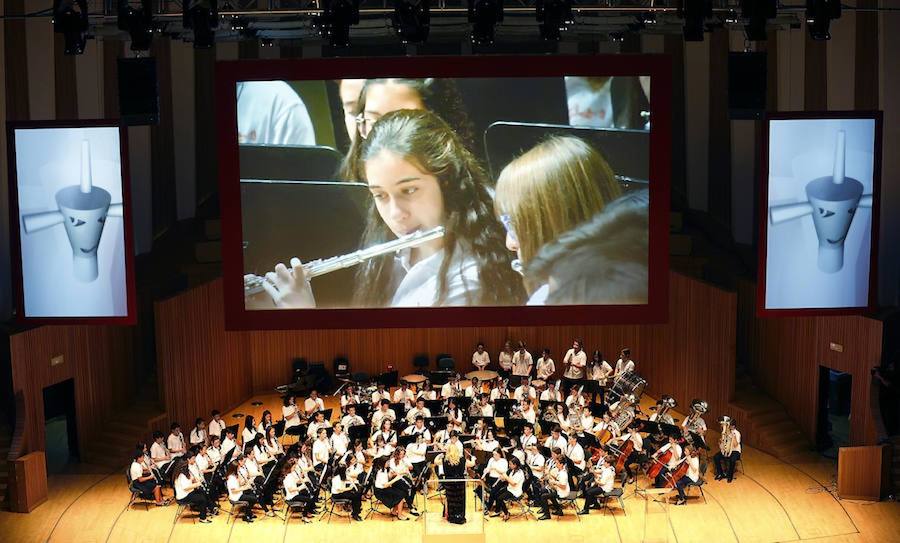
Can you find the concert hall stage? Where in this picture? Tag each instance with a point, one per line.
(769, 501)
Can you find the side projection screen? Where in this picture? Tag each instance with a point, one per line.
(465, 191)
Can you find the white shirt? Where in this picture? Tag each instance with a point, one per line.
(527, 441)
(413, 413)
(271, 113)
(404, 396)
(607, 478)
(181, 487)
(197, 436)
(736, 441)
(481, 360)
(636, 438)
(175, 442)
(536, 463)
(529, 415)
(419, 284)
(415, 452)
(412, 430)
(320, 451)
(448, 391)
(227, 445)
(562, 479)
(515, 484)
(551, 395)
(505, 360)
(340, 442)
(382, 478)
(379, 415)
(521, 392)
(136, 471)
(352, 420)
(378, 396)
(600, 371)
(202, 463)
(495, 466)
(487, 410)
(214, 455)
(291, 416)
(291, 485)
(158, 451)
(312, 405)
(624, 366)
(576, 363)
(576, 455)
(313, 429)
(559, 443)
(545, 368)
(216, 427)
(522, 363)
(693, 471)
(587, 421)
(248, 435)
(234, 488)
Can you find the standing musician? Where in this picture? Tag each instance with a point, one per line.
(188, 490)
(160, 454)
(504, 360)
(522, 362)
(729, 449)
(480, 358)
(198, 433)
(216, 426)
(599, 369)
(351, 418)
(290, 412)
(318, 424)
(599, 484)
(674, 454)
(515, 482)
(474, 389)
(384, 412)
(575, 361)
(145, 481)
(313, 403)
(552, 394)
(404, 395)
(637, 453)
(380, 394)
(339, 440)
(296, 492)
(545, 366)
(240, 488)
(624, 365)
(175, 442)
(418, 411)
(347, 488)
(691, 476)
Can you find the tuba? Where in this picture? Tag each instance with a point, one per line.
(698, 408)
(662, 408)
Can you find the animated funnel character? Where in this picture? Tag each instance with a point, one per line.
(833, 201)
(83, 210)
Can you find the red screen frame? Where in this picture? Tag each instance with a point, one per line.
(15, 235)
(658, 67)
(761, 310)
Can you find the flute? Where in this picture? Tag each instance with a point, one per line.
(253, 284)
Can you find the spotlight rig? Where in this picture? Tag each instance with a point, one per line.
(412, 20)
(138, 23)
(201, 16)
(819, 14)
(72, 24)
(553, 17)
(336, 19)
(484, 16)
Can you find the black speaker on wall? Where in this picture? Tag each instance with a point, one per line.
(138, 91)
(746, 85)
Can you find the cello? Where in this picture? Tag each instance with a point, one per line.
(675, 476)
(626, 450)
(659, 463)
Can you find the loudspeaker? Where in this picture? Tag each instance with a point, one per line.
(746, 85)
(138, 91)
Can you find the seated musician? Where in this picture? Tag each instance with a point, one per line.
(321, 450)
(674, 453)
(637, 452)
(496, 466)
(265, 422)
(535, 460)
(454, 414)
(574, 398)
(346, 488)
(351, 418)
(526, 408)
(216, 426)
(380, 394)
(557, 485)
(416, 453)
(388, 491)
(240, 488)
(355, 469)
(319, 423)
(454, 442)
(144, 481)
(729, 450)
(386, 431)
(203, 466)
(545, 366)
(188, 490)
(514, 481)
(525, 390)
(474, 389)
(552, 394)
(228, 444)
(249, 433)
(404, 395)
(313, 403)
(572, 423)
(339, 440)
(587, 420)
(418, 411)
(384, 412)
(500, 391)
(486, 409)
(175, 442)
(159, 453)
(213, 451)
(692, 459)
(198, 433)
(575, 453)
(418, 429)
(606, 424)
(601, 483)
(528, 438)
(379, 448)
(290, 412)
(480, 358)
(272, 445)
(426, 391)
(522, 361)
(451, 388)
(489, 443)
(400, 465)
(555, 440)
(295, 491)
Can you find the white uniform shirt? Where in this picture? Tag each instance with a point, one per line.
(415, 452)
(495, 466)
(175, 442)
(234, 488)
(487, 410)
(545, 368)
(607, 478)
(248, 435)
(312, 405)
(624, 366)
(576, 455)
(340, 442)
(551, 395)
(320, 451)
(576, 363)
(419, 284)
(562, 479)
(352, 420)
(216, 427)
(197, 436)
(515, 484)
(693, 471)
(522, 363)
(481, 360)
(182, 482)
(378, 396)
(559, 442)
(136, 471)
(291, 485)
(521, 392)
(158, 450)
(291, 416)
(404, 396)
(505, 360)
(271, 113)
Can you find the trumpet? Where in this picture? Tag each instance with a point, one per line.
(253, 284)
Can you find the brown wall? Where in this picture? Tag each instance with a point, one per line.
(785, 355)
(692, 356)
(99, 358)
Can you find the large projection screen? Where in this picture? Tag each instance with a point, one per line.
(819, 228)
(71, 235)
(444, 192)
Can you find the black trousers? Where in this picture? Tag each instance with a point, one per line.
(633, 458)
(546, 498)
(681, 484)
(353, 497)
(725, 464)
(146, 488)
(197, 501)
(252, 498)
(498, 499)
(661, 478)
(591, 494)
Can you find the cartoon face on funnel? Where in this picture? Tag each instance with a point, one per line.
(832, 201)
(83, 210)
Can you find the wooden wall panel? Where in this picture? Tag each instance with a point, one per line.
(99, 358)
(691, 356)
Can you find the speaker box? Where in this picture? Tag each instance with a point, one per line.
(746, 85)
(138, 91)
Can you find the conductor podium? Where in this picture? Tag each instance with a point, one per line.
(439, 530)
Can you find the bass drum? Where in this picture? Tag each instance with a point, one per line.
(630, 383)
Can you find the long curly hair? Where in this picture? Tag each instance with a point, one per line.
(424, 139)
(439, 95)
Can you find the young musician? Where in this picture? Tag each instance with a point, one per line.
(351, 418)
(348, 398)
(344, 488)
(729, 450)
(555, 440)
(451, 388)
(504, 359)
(525, 390)
(515, 480)
(522, 361)
(528, 438)
(455, 419)
(419, 411)
(228, 446)
(557, 485)
(574, 399)
(249, 433)
(188, 490)
(271, 446)
(203, 467)
(552, 394)
(239, 488)
(295, 491)
(624, 364)
(418, 429)
(159, 453)
(290, 412)
(486, 409)
(599, 485)
(545, 366)
(489, 443)
(416, 453)
(264, 423)
(474, 389)
(404, 395)
(674, 460)
(480, 358)
(399, 465)
(339, 440)
(313, 403)
(599, 369)
(575, 361)
(198, 433)
(527, 410)
(319, 423)
(321, 451)
(175, 442)
(216, 426)
(383, 413)
(575, 453)
(380, 394)
(145, 482)
(692, 475)
(495, 468)
(388, 492)
(637, 452)
(426, 391)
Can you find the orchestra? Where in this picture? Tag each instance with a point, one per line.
(556, 436)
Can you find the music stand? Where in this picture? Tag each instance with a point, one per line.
(399, 410)
(360, 432)
(435, 406)
(437, 424)
(279, 429)
(670, 430)
(646, 426)
(546, 426)
(328, 412)
(464, 402)
(362, 409)
(514, 427)
(503, 407)
(697, 438)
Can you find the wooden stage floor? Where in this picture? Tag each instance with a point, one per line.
(772, 501)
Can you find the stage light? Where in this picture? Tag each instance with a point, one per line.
(757, 13)
(201, 16)
(616, 37)
(731, 18)
(412, 20)
(72, 24)
(694, 13)
(553, 17)
(484, 16)
(266, 42)
(138, 23)
(819, 14)
(336, 19)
